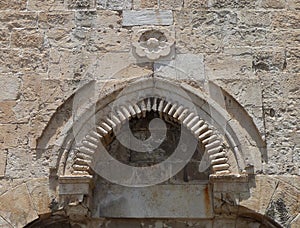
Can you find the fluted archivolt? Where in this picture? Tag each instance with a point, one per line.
(102, 134)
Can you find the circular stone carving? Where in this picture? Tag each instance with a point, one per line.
(153, 43)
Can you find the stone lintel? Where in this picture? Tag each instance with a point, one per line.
(228, 178)
(147, 17)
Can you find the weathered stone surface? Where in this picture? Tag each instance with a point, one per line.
(142, 4)
(256, 199)
(160, 201)
(296, 222)
(266, 60)
(80, 4)
(254, 19)
(27, 39)
(170, 4)
(108, 40)
(231, 4)
(286, 20)
(49, 20)
(7, 114)
(183, 67)
(274, 4)
(292, 60)
(19, 20)
(284, 205)
(39, 190)
(4, 38)
(293, 4)
(227, 66)
(3, 155)
(98, 19)
(114, 4)
(28, 60)
(9, 86)
(4, 223)
(16, 207)
(195, 4)
(13, 5)
(147, 17)
(45, 5)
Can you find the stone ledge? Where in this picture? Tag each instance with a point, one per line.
(229, 178)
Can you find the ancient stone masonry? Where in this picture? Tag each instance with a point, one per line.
(149, 113)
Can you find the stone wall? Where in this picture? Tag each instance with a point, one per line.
(49, 50)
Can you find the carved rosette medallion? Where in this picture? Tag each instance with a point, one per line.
(153, 43)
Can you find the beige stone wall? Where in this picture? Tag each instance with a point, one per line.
(50, 49)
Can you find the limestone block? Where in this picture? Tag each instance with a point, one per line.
(242, 222)
(273, 4)
(74, 185)
(38, 188)
(67, 64)
(234, 187)
(231, 4)
(80, 4)
(296, 222)
(285, 19)
(199, 19)
(292, 37)
(254, 19)
(147, 17)
(4, 38)
(142, 4)
(7, 114)
(293, 60)
(114, 4)
(225, 66)
(49, 20)
(247, 92)
(19, 20)
(98, 19)
(24, 162)
(195, 4)
(293, 4)
(27, 39)
(256, 199)
(2, 162)
(116, 66)
(269, 60)
(31, 86)
(224, 223)
(27, 61)
(9, 86)
(226, 203)
(66, 38)
(184, 66)
(207, 40)
(171, 4)
(4, 223)
(148, 204)
(13, 5)
(16, 206)
(284, 205)
(108, 40)
(247, 37)
(45, 5)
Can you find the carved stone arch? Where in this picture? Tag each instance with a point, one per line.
(205, 126)
(76, 139)
(202, 130)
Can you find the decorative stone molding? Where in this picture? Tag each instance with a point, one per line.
(153, 42)
(205, 134)
(75, 195)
